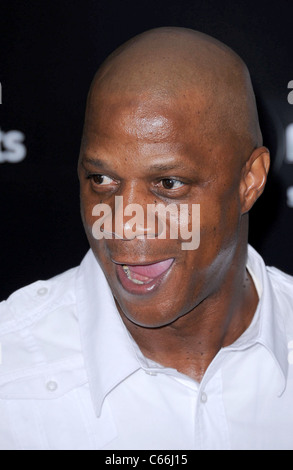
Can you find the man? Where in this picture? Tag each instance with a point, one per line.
(150, 343)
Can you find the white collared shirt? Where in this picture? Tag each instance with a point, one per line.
(71, 377)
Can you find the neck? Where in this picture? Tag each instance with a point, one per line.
(191, 342)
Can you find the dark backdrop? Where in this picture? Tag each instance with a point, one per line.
(49, 53)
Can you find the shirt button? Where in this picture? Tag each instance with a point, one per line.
(42, 291)
(52, 386)
(150, 372)
(203, 397)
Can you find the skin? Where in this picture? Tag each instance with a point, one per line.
(174, 104)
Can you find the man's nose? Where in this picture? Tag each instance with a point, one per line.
(130, 219)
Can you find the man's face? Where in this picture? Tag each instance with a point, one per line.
(160, 152)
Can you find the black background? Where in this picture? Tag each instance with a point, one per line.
(49, 53)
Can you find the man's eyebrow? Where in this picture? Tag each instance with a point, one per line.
(97, 162)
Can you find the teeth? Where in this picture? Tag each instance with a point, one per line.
(136, 281)
(128, 274)
(127, 271)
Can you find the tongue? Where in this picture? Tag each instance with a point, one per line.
(151, 270)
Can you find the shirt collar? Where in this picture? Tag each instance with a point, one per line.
(108, 350)
(267, 327)
(111, 354)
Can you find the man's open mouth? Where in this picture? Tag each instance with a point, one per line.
(143, 274)
(143, 278)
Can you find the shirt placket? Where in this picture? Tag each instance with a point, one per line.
(211, 426)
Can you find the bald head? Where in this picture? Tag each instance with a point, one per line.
(176, 65)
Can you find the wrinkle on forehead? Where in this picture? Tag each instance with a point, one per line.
(151, 127)
(141, 118)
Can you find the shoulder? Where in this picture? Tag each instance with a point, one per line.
(39, 329)
(27, 305)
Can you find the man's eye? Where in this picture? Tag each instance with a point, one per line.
(101, 180)
(170, 183)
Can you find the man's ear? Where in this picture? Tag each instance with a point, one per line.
(254, 177)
